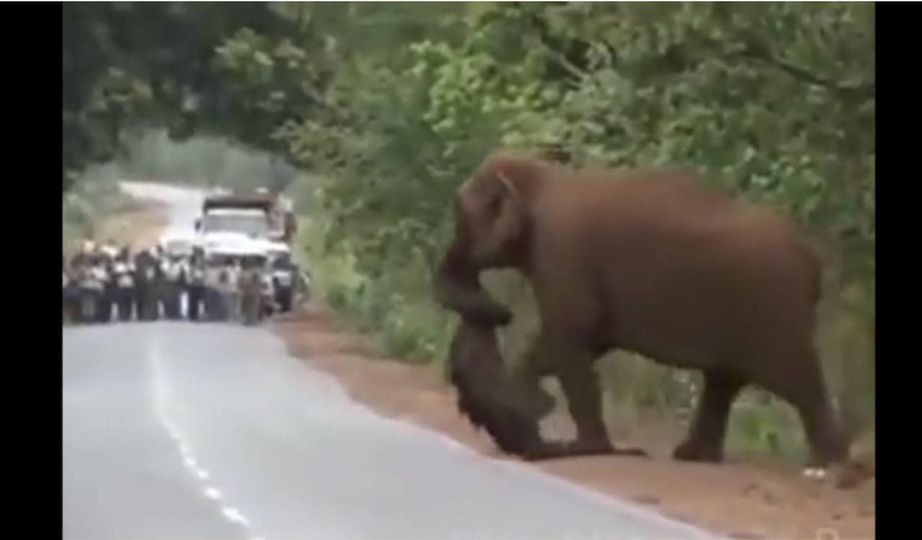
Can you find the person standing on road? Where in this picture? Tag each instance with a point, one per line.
(108, 297)
(171, 286)
(98, 285)
(232, 291)
(251, 295)
(146, 283)
(213, 300)
(195, 285)
(92, 283)
(123, 273)
(222, 308)
(284, 274)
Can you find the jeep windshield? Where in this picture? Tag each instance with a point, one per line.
(248, 223)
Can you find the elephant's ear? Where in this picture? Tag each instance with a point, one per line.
(512, 218)
(512, 190)
(507, 184)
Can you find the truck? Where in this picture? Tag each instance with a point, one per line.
(263, 222)
(258, 215)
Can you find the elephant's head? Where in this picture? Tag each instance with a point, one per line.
(492, 230)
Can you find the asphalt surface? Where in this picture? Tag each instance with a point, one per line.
(182, 431)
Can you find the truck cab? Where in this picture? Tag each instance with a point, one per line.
(255, 216)
(243, 221)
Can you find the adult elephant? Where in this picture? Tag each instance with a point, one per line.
(651, 262)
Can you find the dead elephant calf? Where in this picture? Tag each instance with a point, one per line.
(493, 399)
(486, 395)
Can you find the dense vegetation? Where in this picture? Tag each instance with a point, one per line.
(386, 107)
(82, 208)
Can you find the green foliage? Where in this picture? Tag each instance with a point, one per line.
(761, 425)
(126, 63)
(94, 197)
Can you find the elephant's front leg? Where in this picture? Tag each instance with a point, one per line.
(580, 386)
(584, 398)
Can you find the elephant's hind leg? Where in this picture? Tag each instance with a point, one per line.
(828, 441)
(706, 437)
(801, 383)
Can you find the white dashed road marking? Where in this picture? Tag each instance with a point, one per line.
(186, 455)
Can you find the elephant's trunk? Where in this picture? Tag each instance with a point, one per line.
(457, 287)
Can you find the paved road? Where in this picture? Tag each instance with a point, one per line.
(181, 431)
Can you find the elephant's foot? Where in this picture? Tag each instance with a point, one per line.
(557, 450)
(829, 445)
(831, 458)
(697, 451)
(820, 464)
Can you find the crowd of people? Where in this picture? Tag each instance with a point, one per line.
(104, 283)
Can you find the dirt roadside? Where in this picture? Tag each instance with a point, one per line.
(735, 499)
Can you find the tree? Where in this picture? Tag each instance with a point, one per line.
(128, 63)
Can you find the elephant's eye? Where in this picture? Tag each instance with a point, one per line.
(495, 203)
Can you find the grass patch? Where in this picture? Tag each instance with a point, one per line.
(407, 326)
(763, 426)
